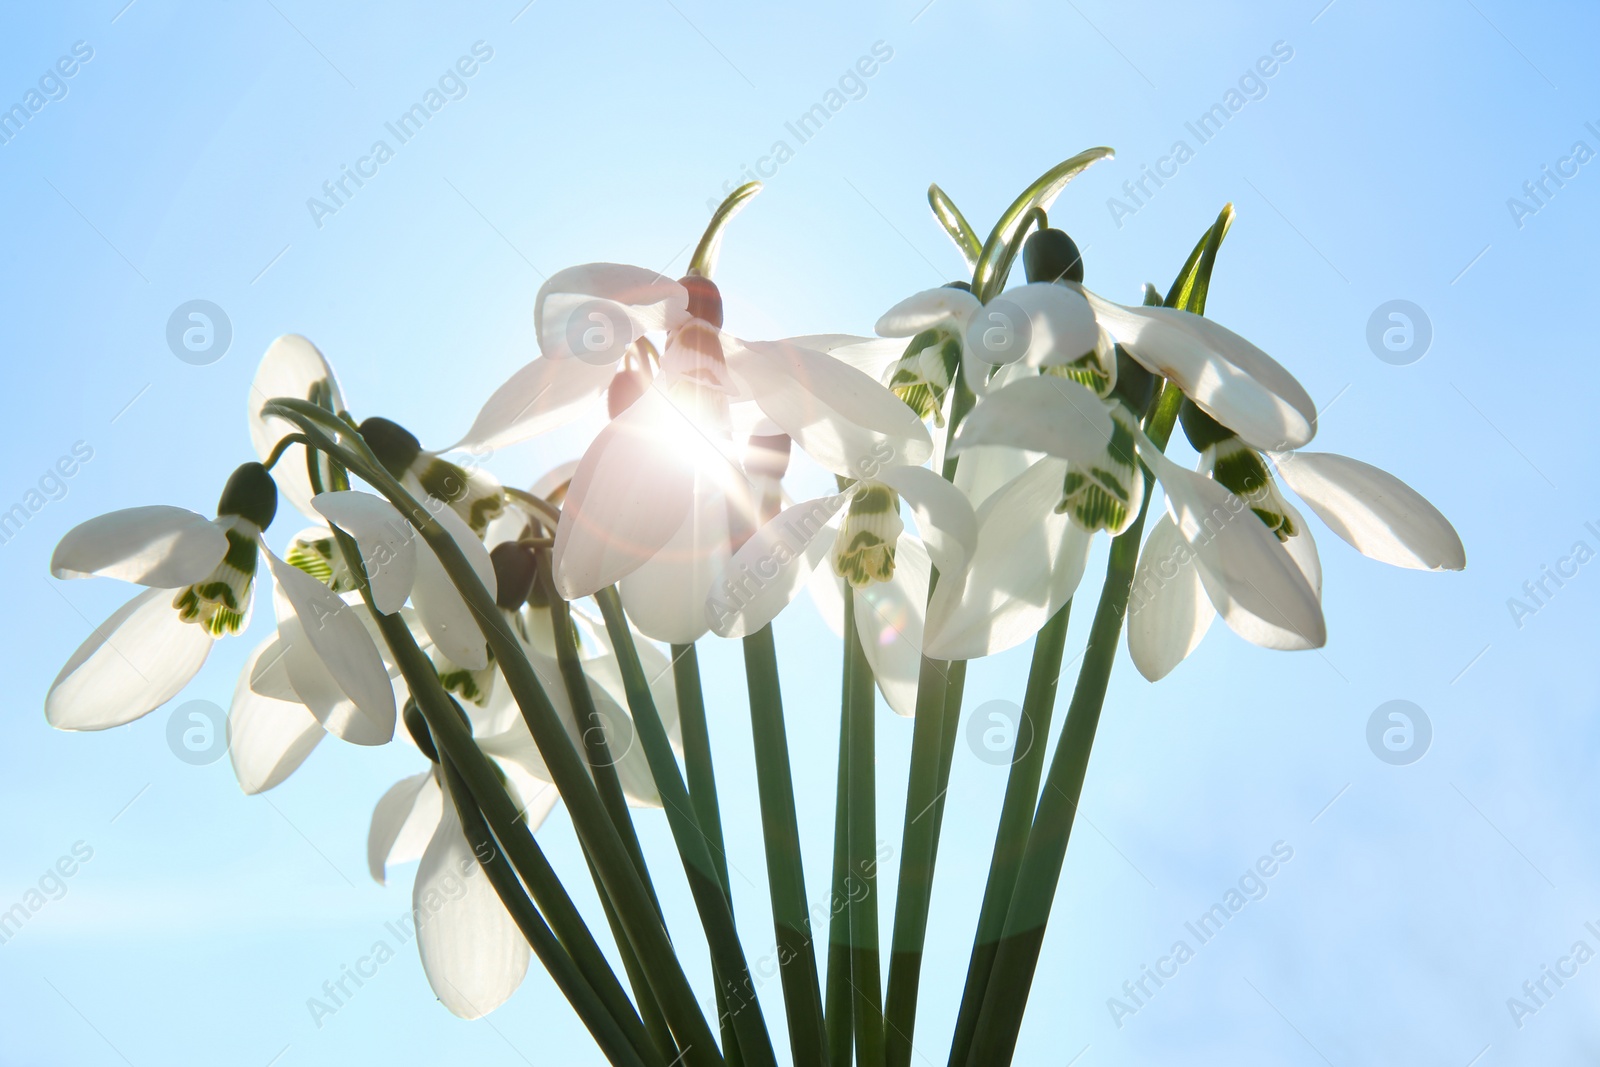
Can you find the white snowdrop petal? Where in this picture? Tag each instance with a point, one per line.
(1028, 562)
(472, 952)
(926, 309)
(1254, 583)
(945, 522)
(403, 822)
(543, 395)
(604, 297)
(158, 546)
(387, 542)
(443, 612)
(1042, 413)
(837, 415)
(268, 739)
(1168, 613)
(133, 663)
(1226, 376)
(770, 569)
(292, 367)
(332, 632)
(1375, 512)
(628, 498)
(889, 621)
(666, 597)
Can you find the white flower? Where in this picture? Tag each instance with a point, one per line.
(868, 555)
(1177, 590)
(1020, 577)
(474, 955)
(658, 499)
(202, 576)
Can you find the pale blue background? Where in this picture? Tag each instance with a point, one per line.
(1377, 167)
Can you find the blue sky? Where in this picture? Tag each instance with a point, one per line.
(1376, 163)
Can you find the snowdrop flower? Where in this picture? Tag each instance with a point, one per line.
(200, 576)
(869, 554)
(1082, 415)
(1177, 589)
(474, 955)
(651, 502)
(399, 565)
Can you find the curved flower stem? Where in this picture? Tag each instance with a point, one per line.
(860, 706)
(598, 836)
(1017, 953)
(454, 739)
(605, 1030)
(603, 767)
(1016, 819)
(780, 832)
(716, 914)
(702, 778)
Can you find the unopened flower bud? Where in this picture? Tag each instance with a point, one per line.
(250, 494)
(1051, 256)
(417, 727)
(396, 447)
(1201, 429)
(515, 568)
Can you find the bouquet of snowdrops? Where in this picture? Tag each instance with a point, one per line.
(539, 645)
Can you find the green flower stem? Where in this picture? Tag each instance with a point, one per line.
(716, 914)
(1016, 819)
(841, 1021)
(603, 767)
(699, 770)
(454, 739)
(1017, 954)
(423, 682)
(644, 929)
(860, 707)
(605, 1030)
(919, 844)
(780, 832)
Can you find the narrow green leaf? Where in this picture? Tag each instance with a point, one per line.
(955, 224)
(704, 260)
(1193, 283)
(1041, 194)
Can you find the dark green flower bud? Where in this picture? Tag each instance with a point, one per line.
(705, 299)
(250, 494)
(394, 445)
(515, 568)
(1051, 256)
(1135, 386)
(1201, 429)
(417, 727)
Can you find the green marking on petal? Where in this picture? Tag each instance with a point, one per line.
(1106, 495)
(1241, 470)
(865, 550)
(922, 376)
(217, 603)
